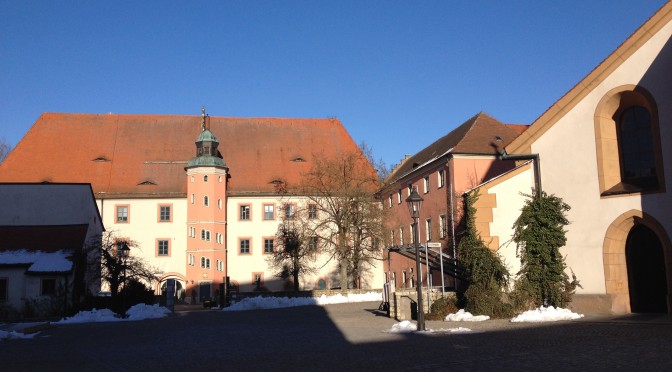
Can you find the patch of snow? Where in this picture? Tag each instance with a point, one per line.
(136, 312)
(38, 261)
(255, 303)
(12, 335)
(547, 314)
(465, 316)
(403, 327)
(144, 311)
(407, 326)
(92, 316)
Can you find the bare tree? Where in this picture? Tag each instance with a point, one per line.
(295, 252)
(342, 189)
(118, 271)
(5, 149)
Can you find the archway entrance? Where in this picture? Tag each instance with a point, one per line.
(179, 289)
(637, 253)
(645, 261)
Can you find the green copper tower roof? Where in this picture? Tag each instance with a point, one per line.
(206, 148)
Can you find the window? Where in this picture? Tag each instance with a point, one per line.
(120, 246)
(258, 281)
(290, 211)
(628, 143)
(193, 198)
(401, 235)
(244, 212)
(192, 260)
(164, 213)
(219, 179)
(206, 201)
(220, 265)
(428, 229)
(426, 184)
(3, 289)
(48, 287)
(122, 213)
(312, 244)
(202, 234)
(244, 246)
(269, 212)
(162, 247)
(410, 189)
(192, 179)
(205, 178)
(442, 178)
(219, 203)
(207, 235)
(442, 226)
(312, 211)
(268, 245)
(638, 164)
(390, 201)
(392, 236)
(399, 198)
(205, 263)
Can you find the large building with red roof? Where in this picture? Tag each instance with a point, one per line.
(441, 172)
(201, 195)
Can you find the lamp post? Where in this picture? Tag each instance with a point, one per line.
(414, 202)
(123, 252)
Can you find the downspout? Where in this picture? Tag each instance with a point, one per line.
(537, 167)
(452, 228)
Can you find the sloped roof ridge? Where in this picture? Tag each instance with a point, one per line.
(629, 46)
(443, 145)
(259, 118)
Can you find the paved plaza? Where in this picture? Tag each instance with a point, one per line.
(340, 338)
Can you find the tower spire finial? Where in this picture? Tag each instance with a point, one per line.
(202, 118)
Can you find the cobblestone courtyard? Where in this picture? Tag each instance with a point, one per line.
(342, 337)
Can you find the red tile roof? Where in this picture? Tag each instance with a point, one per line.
(145, 155)
(480, 135)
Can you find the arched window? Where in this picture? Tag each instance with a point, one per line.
(638, 164)
(206, 201)
(628, 146)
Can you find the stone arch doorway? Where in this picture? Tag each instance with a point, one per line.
(645, 262)
(632, 243)
(179, 287)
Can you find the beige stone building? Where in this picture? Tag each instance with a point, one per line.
(604, 147)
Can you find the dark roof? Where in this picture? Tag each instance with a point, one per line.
(42, 238)
(480, 135)
(146, 155)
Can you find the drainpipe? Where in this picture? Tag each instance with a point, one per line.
(537, 168)
(452, 227)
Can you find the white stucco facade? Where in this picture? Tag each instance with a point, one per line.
(570, 168)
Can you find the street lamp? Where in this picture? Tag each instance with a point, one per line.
(123, 252)
(414, 202)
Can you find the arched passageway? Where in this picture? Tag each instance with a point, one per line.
(637, 258)
(645, 262)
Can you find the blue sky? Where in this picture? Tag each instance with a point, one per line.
(398, 74)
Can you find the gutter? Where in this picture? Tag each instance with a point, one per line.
(537, 167)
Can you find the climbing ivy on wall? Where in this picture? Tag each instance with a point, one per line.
(539, 234)
(487, 276)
